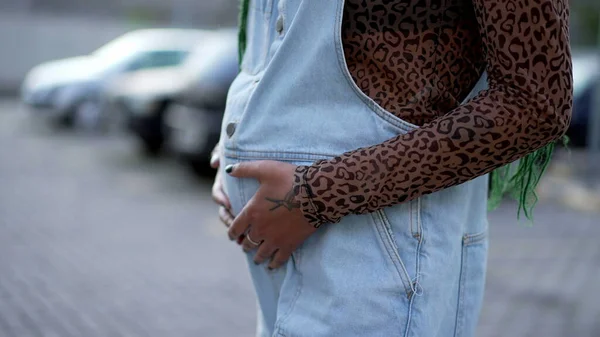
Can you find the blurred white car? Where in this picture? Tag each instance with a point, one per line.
(72, 90)
(144, 97)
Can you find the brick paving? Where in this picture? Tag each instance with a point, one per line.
(96, 241)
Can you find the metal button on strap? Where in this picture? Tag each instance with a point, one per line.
(230, 129)
(279, 24)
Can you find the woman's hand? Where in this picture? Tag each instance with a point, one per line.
(271, 221)
(218, 194)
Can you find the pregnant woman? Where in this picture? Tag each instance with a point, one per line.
(355, 152)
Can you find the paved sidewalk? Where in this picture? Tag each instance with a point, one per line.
(96, 242)
(543, 280)
(573, 179)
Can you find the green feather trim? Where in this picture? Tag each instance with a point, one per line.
(519, 179)
(243, 22)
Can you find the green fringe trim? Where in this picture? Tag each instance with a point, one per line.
(243, 22)
(519, 179)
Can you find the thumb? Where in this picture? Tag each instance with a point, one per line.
(214, 161)
(250, 169)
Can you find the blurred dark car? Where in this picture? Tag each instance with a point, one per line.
(73, 90)
(143, 98)
(586, 80)
(194, 119)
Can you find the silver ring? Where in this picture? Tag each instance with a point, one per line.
(251, 241)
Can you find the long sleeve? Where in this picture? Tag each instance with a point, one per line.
(528, 104)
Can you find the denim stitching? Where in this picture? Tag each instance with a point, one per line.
(410, 209)
(471, 239)
(415, 219)
(242, 194)
(281, 7)
(461, 292)
(416, 284)
(409, 317)
(269, 7)
(278, 325)
(419, 220)
(275, 155)
(391, 247)
(271, 152)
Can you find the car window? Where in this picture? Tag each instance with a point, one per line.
(157, 59)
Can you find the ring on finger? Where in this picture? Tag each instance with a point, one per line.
(252, 241)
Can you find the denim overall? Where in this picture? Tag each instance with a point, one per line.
(414, 269)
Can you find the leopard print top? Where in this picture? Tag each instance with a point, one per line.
(419, 59)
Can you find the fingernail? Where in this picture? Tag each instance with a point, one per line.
(229, 168)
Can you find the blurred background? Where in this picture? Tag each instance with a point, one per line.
(108, 111)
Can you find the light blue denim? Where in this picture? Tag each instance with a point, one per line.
(414, 269)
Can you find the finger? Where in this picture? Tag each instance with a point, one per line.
(219, 197)
(218, 193)
(279, 259)
(225, 216)
(240, 225)
(214, 157)
(214, 161)
(264, 253)
(251, 169)
(250, 246)
(224, 198)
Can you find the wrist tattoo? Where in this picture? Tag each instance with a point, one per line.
(289, 201)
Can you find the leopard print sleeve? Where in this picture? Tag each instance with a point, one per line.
(528, 104)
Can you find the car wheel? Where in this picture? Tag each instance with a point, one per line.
(65, 121)
(114, 119)
(87, 114)
(200, 168)
(152, 146)
(154, 134)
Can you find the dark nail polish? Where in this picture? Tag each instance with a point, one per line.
(229, 168)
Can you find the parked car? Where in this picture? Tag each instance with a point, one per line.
(137, 102)
(72, 89)
(144, 97)
(194, 119)
(586, 79)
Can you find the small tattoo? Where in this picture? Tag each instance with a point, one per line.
(288, 202)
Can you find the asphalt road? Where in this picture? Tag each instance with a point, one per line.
(95, 240)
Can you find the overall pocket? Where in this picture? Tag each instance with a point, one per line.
(353, 278)
(472, 283)
(401, 233)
